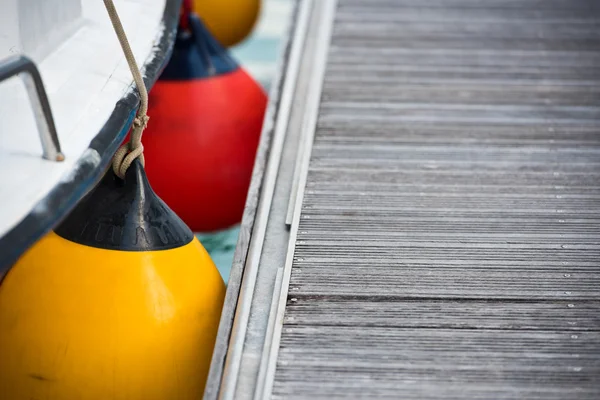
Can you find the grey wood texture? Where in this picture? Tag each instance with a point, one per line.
(449, 243)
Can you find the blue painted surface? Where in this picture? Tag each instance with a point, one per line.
(221, 246)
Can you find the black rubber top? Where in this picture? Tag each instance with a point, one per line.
(125, 215)
(197, 54)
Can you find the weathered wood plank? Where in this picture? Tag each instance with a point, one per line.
(354, 362)
(449, 239)
(356, 311)
(486, 4)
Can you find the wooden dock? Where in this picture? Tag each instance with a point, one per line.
(424, 218)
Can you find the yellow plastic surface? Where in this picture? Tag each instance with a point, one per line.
(230, 21)
(80, 323)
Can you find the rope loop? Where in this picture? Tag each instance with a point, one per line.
(124, 157)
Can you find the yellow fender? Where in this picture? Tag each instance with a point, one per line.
(88, 322)
(230, 21)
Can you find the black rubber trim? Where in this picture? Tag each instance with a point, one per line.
(92, 165)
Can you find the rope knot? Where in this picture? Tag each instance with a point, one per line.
(141, 121)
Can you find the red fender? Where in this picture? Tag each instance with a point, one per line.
(200, 145)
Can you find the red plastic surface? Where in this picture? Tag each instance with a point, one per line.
(200, 145)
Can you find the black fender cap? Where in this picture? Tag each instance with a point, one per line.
(125, 215)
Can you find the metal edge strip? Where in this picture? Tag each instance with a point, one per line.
(261, 381)
(90, 167)
(217, 366)
(294, 191)
(242, 315)
(230, 357)
(327, 15)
